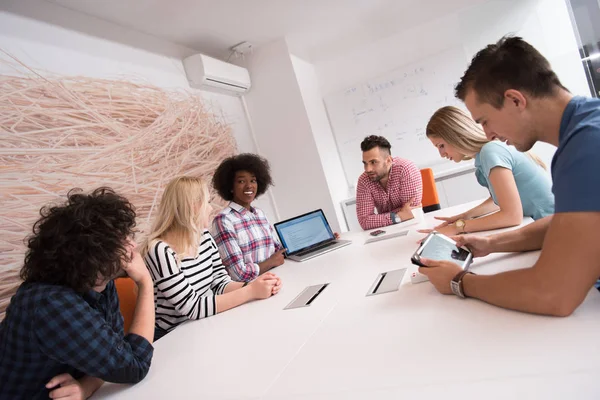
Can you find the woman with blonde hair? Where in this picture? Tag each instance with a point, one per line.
(517, 182)
(190, 281)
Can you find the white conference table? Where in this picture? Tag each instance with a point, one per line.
(412, 343)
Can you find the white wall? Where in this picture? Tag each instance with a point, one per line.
(285, 136)
(56, 50)
(286, 100)
(321, 130)
(544, 23)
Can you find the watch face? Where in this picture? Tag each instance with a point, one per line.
(455, 286)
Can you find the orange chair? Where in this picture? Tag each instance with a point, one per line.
(431, 201)
(127, 292)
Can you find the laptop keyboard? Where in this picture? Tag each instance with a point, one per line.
(323, 246)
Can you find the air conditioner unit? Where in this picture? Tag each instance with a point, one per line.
(207, 73)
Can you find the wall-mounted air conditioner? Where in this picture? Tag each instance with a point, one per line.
(207, 73)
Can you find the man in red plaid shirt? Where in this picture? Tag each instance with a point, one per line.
(388, 188)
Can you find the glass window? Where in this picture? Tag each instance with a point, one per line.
(585, 15)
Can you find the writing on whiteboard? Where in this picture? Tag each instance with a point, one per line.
(396, 105)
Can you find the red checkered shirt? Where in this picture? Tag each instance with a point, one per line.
(404, 183)
(245, 238)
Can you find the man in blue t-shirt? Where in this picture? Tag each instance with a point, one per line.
(511, 90)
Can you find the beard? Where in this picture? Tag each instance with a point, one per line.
(375, 178)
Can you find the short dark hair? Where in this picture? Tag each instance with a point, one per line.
(225, 174)
(373, 141)
(75, 243)
(511, 63)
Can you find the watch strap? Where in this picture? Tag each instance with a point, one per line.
(395, 218)
(456, 284)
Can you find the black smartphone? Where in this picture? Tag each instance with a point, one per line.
(377, 232)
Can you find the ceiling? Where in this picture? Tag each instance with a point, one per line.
(318, 27)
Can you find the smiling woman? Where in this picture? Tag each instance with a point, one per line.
(189, 279)
(246, 240)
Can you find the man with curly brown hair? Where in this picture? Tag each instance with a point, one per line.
(63, 332)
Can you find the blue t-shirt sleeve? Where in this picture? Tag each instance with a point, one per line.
(492, 155)
(575, 174)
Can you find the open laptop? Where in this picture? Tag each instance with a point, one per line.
(307, 236)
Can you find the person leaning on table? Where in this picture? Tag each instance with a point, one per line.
(511, 90)
(63, 333)
(517, 182)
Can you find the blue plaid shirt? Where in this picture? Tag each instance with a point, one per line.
(50, 330)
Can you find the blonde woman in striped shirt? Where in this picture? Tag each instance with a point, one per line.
(190, 281)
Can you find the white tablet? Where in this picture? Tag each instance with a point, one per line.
(440, 247)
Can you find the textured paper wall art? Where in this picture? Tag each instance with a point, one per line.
(57, 133)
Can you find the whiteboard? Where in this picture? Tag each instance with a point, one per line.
(396, 105)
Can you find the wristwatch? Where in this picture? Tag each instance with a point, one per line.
(460, 225)
(395, 218)
(456, 284)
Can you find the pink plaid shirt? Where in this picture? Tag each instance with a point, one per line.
(245, 238)
(404, 183)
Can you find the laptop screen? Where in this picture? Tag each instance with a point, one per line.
(304, 231)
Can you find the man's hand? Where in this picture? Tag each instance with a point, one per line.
(440, 273)
(67, 388)
(480, 246)
(405, 212)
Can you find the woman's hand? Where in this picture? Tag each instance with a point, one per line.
(263, 286)
(448, 220)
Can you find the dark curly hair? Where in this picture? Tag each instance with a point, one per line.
(225, 174)
(75, 243)
(373, 141)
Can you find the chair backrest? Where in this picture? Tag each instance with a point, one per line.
(431, 201)
(126, 290)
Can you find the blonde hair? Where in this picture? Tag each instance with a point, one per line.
(178, 214)
(457, 129)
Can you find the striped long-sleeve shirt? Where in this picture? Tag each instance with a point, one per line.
(185, 290)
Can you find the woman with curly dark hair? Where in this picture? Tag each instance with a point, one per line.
(63, 331)
(246, 240)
